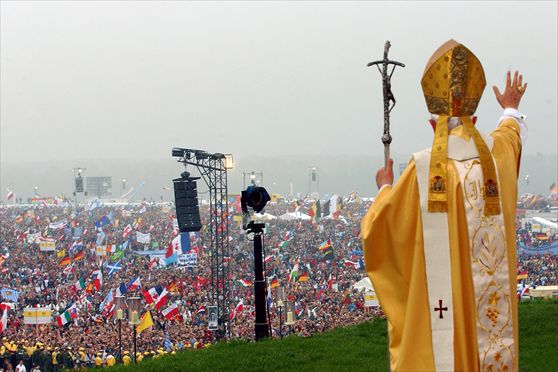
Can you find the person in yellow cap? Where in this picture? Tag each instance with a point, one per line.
(98, 360)
(111, 360)
(126, 358)
(140, 356)
(439, 245)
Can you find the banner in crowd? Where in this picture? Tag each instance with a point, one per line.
(143, 238)
(37, 315)
(551, 248)
(58, 225)
(47, 246)
(188, 259)
(370, 299)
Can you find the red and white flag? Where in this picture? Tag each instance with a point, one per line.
(200, 310)
(268, 258)
(170, 312)
(237, 310)
(4, 321)
(10, 195)
(127, 231)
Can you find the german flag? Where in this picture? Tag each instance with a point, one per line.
(522, 275)
(303, 277)
(542, 236)
(64, 261)
(274, 283)
(79, 256)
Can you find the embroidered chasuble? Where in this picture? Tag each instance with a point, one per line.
(451, 303)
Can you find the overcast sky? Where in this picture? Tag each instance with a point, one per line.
(108, 79)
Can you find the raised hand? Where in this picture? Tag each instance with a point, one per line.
(512, 94)
(384, 176)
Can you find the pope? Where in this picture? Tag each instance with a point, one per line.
(439, 245)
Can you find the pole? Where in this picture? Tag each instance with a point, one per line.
(120, 339)
(280, 323)
(261, 327)
(135, 346)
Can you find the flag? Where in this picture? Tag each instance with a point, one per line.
(4, 321)
(61, 253)
(200, 310)
(121, 290)
(118, 254)
(168, 343)
(283, 244)
(236, 310)
(245, 283)
(79, 285)
(326, 250)
(114, 267)
(171, 259)
(274, 283)
(134, 284)
(268, 258)
(303, 277)
(181, 243)
(78, 256)
(145, 322)
(97, 279)
(76, 246)
(64, 261)
(107, 304)
(170, 312)
(522, 275)
(127, 231)
(10, 195)
(9, 294)
(157, 295)
(105, 220)
(64, 318)
(355, 265)
(294, 273)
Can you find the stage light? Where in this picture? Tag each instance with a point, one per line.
(229, 161)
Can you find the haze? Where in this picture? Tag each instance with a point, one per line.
(113, 86)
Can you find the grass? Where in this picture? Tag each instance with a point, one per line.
(355, 348)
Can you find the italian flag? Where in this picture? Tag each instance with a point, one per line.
(64, 318)
(245, 283)
(283, 244)
(294, 273)
(80, 285)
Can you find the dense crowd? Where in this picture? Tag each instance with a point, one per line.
(324, 298)
(321, 288)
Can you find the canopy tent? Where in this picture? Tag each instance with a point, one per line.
(263, 217)
(294, 216)
(363, 284)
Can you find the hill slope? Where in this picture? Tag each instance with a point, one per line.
(359, 347)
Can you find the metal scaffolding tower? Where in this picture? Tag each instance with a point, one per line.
(213, 169)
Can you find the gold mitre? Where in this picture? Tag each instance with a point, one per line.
(453, 81)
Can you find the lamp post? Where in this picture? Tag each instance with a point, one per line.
(119, 307)
(134, 304)
(280, 304)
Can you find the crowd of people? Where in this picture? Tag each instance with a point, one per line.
(323, 296)
(51, 258)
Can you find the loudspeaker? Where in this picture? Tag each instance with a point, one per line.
(186, 202)
(79, 184)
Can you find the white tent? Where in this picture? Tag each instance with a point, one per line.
(363, 284)
(264, 217)
(294, 216)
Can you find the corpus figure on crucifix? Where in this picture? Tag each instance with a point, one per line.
(439, 245)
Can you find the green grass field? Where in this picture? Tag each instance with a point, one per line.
(356, 348)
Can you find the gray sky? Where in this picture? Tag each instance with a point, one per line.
(108, 79)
